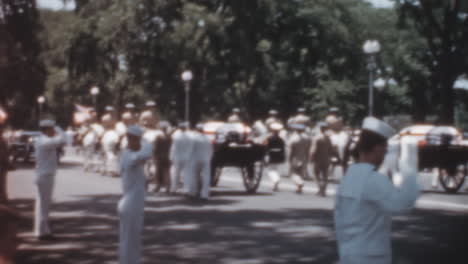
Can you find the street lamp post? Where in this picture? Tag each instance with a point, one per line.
(371, 48)
(40, 101)
(94, 92)
(187, 77)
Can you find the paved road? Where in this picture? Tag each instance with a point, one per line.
(232, 227)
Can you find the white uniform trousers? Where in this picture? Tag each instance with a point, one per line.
(199, 178)
(365, 260)
(178, 170)
(131, 215)
(273, 172)
(45, 186)
(111, 163)
(89, 156)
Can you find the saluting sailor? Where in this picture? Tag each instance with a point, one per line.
(366, 199)
(131, 205)
(46, 147)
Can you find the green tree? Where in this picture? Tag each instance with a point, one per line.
(22, 74)
(444, 27)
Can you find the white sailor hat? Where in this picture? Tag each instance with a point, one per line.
(135, 131)
(378, 126)
(127, 115)
(129, 105)
(331, 119)
(183, 125)
(236, 110)
(297, 126)
(150, 104)
(47, 123)
(109, 108)
(273, 112)
(106, 118)
(301, 110)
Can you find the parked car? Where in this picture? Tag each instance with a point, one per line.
(21, 146)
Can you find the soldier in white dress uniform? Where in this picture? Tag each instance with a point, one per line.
(131, 205)
(366, 200)
(200, 164)
(46, 147)
(179, 155)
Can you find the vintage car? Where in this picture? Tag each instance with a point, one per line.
(21, 146)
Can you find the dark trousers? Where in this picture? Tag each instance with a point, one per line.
(3, 184)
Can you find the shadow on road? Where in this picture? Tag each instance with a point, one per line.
(177, 233)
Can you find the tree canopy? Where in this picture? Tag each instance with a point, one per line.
(255, 55)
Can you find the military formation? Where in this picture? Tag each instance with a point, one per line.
(297, 148)
(179, 160)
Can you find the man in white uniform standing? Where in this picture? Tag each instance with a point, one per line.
(366, 199)
(179, 155)
(46, 148)
(131, 205)
(200, 164)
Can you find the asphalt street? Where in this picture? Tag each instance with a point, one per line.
(232, 227)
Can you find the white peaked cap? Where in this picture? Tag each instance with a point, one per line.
(47, 123)
(150, 103)
(135, 131)
(127, 115)
(276, 126)
(106, 118)
(378, 126)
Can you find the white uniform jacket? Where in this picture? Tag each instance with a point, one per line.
(46, 152)
(202, 149)
(131, 206)
(364, 204)
(181, 147)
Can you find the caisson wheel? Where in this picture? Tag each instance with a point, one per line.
(452, 179)
(252, 175)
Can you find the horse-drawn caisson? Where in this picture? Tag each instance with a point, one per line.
(235, 146)
(444, 150)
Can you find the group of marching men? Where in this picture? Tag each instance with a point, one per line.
(184, 155)
(179, 154)
(364, 203)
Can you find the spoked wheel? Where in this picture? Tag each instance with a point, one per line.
(150, 172)
(252, 175)
(452, 179)
(215, 175)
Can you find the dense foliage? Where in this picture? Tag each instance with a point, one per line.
(255, 55)
(22, 73)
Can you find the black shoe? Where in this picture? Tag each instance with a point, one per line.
(299, 189)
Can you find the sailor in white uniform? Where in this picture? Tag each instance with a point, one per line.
(366, 199)
(179, 155)
(131, 205)
(46, 147)
(200, 164)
